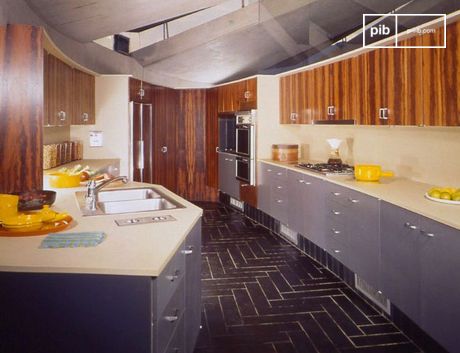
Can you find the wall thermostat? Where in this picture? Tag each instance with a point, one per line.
(96, 139)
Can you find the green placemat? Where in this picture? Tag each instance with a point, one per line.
(72, 240)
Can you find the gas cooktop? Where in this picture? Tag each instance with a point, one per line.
(327, 168)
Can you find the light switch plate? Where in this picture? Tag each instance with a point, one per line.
(96, 139)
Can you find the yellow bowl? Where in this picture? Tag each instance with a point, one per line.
(368, 172)
(8, 206)
(21, 220)
(62, 180)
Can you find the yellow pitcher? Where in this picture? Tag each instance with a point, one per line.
(367, 172)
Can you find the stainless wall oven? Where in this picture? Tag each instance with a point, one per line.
(246, 147)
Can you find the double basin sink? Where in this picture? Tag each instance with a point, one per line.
(127, 201)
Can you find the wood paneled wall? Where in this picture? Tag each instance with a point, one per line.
(191, 147)
(212, 138)
(21, 108)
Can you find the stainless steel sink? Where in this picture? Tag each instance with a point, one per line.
(118, 201)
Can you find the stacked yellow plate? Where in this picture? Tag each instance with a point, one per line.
(23, 222)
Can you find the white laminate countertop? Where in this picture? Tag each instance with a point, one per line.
(401, 192)
(141, 250)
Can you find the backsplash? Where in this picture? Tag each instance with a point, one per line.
(424, 154)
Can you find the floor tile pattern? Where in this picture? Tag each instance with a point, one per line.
(260, 294)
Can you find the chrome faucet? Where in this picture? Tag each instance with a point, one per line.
(93, 190)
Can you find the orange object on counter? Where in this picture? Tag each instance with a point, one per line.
(369, 172)
(285, 153)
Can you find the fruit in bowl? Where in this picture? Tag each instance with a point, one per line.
(445, 193)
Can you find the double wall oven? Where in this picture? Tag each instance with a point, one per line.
(237, 136)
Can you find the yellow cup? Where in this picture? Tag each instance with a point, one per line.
(8, 206)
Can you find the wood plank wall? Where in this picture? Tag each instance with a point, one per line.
(191, 147)
(21, 108)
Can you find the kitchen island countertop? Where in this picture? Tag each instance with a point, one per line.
(401, 192)
(140, 250)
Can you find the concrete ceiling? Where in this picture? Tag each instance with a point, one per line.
(87, 20)
(258, 38)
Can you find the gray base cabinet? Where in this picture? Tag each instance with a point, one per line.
(227, 175)
(421, 271)
(273, 191)
(75, 313)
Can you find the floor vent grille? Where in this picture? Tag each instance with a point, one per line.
(374, 295)
(239, 205)
(289, 234)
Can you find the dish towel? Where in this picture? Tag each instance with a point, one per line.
(72, 240)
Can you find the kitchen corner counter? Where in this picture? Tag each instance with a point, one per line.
(401, 192)
(138, 250)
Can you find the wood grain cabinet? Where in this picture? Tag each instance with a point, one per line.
(421, 270)
(441, 77)
(241, 95)
(58, 87)
(84, 112)
(292, 105)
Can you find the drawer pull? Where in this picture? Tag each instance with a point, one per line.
(353, 200)
(269, 170)
(173, 277)
(85, 117)
(171, 318)
(187, 252)
(307, 183)
(336, 193)
(336, 212)
(301, 181)
(337, 251)
(279, 201)
(279, 173)
(410, 226)
(335, 231)
(62, 115)
(428, 234)
(279, 187)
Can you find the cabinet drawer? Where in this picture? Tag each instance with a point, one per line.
(170, 318)
(177, 344)
(336, 211)
(337, 194)
(337, 249)
(169, 279)
(337, 230)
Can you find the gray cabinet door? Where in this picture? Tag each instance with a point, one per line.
(192, 253)
(440, 281)
(362, 218)
(314, 210)
(400, 267)
(227, 175)
(264, 187)
(297, 201)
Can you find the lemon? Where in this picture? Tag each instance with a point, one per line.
(445, 195)
(435, 193)
(436, 189)
(456, 196)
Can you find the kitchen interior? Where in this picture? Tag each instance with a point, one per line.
(229, 176)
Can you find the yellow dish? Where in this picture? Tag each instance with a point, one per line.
(22, 223)
(368, 172)
(62, 180)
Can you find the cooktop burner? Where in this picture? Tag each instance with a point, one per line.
(328, 169)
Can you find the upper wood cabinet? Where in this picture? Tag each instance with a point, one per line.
(236, 96)
(391, 86)
(58, 92)
(135, 87)
(84, 96)
(69, 94)
(441, 77)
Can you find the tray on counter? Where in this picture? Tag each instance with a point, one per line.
(450, 202)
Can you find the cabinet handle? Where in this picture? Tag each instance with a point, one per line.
(331, 110)
(269, 170)
(225, 159)
(307, 183)
(217, 149)
(336, 193)
(279, 201)
(171, 318)
(230, 160)
(279, 173)
(293, 116)
(187, 252)
(353, 200)
(85, 117)
(335, 231)
(336, 212)
(62, 115)
(337, 251)
(244, 185)
(428, 234)
(410, 226)
(279, 187)
(383, 113)
(173, 277)
(301, 181)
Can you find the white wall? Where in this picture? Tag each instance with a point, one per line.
(112, 117)
(425, 154)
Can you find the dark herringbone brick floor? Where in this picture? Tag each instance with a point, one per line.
(262, 295)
